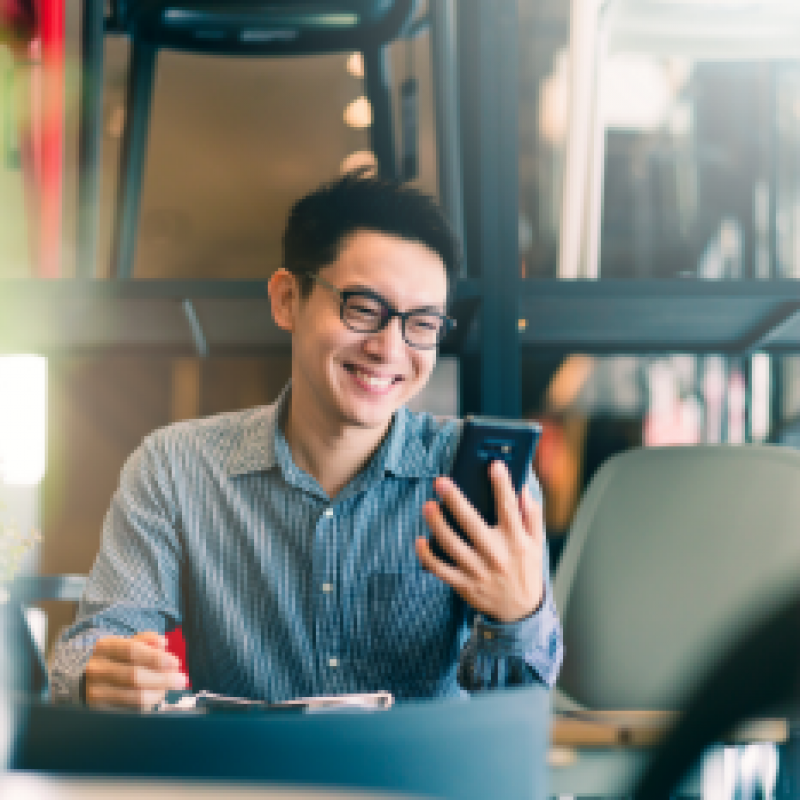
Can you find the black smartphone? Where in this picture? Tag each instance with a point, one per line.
(484, 440)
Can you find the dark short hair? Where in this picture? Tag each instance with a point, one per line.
(320, 222)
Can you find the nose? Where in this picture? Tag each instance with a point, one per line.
(388, 342)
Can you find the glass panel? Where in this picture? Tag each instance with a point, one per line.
(543, 108)
(594, 407)
(681, 131)
(687, 178)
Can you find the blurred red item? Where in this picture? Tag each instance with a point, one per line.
(18, 22)
(35, 31)
(177, 646)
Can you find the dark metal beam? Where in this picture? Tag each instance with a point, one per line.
(377, 81)
(780, 319)
(90, 140)
(197, 329)
(132, 157)
(444, 69)
(487, 56)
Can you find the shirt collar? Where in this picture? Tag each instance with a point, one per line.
(255, 450)
(404, 452)
(262, 446)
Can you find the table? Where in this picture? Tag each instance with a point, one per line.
(608, 750)
(30, 786)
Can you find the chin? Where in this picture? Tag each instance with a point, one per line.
(375, 417)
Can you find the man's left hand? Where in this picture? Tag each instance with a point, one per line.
(500, 574)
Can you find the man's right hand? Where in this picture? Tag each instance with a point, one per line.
(131, 673)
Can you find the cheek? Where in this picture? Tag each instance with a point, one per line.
(423, 365)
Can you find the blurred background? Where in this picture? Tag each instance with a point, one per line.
(692, 149)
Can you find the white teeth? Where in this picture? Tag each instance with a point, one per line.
(372, 381)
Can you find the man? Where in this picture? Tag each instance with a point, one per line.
(290, 541)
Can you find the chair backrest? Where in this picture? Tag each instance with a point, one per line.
(672, 552)
(252, 27)
(30, 670)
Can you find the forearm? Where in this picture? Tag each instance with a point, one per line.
(134, 583)
(67, 666)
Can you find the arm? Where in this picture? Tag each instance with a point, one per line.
(503, 576)
(114, 654)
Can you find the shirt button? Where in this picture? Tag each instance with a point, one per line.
(327, 587)
(328, 512)
(333, 662)
(487, 634)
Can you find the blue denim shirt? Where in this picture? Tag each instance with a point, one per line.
(283, 592)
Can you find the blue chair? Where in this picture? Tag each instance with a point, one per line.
(28, 670)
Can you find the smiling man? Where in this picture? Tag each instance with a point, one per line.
(290, 541)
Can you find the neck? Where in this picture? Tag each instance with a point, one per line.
(332, 456)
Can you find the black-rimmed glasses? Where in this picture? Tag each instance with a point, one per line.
(364, 311)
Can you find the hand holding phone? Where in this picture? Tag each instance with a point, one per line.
(496, 562)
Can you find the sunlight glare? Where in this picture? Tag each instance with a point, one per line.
(23, 402)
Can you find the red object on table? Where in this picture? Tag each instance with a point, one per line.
(177, 646)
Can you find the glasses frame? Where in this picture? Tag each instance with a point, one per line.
(390, 312)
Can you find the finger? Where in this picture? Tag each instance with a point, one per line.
(531, 513)
(151, 637)
(506, 503)
(136, 651)
(459, 551)
(465, 515)
(103, 696)
(101, 670)
(450, 575)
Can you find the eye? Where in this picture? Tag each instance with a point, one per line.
(425, 323)
(364, 306)
(363, 310)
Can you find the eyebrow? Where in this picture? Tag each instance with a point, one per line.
(438, 309)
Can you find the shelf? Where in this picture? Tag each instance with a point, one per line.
(216, 318)
(660, 316)
(84, 317)
(233, 317)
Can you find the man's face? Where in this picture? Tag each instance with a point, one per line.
(342, 378)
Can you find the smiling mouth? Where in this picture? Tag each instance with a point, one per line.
(372, 381)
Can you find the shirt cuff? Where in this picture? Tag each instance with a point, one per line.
(67, 672)
(506, 654)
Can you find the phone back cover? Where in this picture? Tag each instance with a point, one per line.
(480, 444)
(514, 445)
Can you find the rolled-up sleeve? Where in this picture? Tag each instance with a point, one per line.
(513, 654)
(134, 585)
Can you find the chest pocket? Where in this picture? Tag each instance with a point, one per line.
(406, 625)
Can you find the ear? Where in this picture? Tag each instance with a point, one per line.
(284, 297)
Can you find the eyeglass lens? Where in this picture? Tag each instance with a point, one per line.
(367, 314)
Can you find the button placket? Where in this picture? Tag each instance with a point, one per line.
(328, 608)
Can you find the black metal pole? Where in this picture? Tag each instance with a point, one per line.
(132, 157)
(377, 82)
(444, 68)
(90, 140)
(488, 76)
